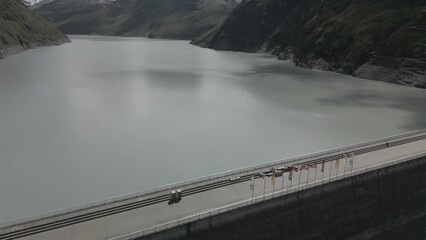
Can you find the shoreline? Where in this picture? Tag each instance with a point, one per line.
(400, 71)
(16, 49)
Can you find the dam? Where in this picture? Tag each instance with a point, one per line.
(367, 188)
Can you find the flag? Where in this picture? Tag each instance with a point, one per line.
(351, 159)
(297, 168)
(337, 163)
(273, 176)
(322, 166)
(312, 165)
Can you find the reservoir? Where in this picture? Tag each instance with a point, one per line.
(105, 116)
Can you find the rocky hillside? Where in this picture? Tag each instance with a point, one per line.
(376, 39)
(35, 3)
(20, 29)
(177, 19)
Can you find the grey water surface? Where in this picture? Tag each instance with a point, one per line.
(105, 116)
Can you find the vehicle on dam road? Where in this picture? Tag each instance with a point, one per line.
(175, 196)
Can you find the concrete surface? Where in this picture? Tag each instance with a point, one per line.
(115, 225)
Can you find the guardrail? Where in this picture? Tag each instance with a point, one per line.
(249, 202)
(135, 195)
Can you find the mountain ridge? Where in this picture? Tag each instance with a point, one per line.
(176, 19)
(21, 29)
(381, 40)
(35, 3)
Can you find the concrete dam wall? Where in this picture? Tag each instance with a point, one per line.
(388, 203)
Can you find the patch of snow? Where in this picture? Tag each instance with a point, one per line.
(38, 3)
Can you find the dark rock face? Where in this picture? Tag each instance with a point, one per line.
(334, 35)
(177, 19)
(20, 29)
(403, 71)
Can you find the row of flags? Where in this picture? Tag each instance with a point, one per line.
(307, 166)
(304, 167)
(314, 164)
(273, 177)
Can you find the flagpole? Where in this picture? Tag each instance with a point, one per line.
(316, 170)
(264, 186)
(273, 181)
(337, 167)
(273, 190)
(298, 184)
(307, 177)
(252, 188)
(252, 194)
(346, 161)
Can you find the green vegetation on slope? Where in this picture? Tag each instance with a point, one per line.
(20, 29)
(178, 19)
(377, 39)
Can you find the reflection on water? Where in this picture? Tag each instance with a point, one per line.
(106, 116)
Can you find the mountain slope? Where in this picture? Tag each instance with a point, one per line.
(35, 3)
(179, 19)
(20, 29)
(376, 39)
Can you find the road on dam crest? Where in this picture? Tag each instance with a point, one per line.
(120, 218)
